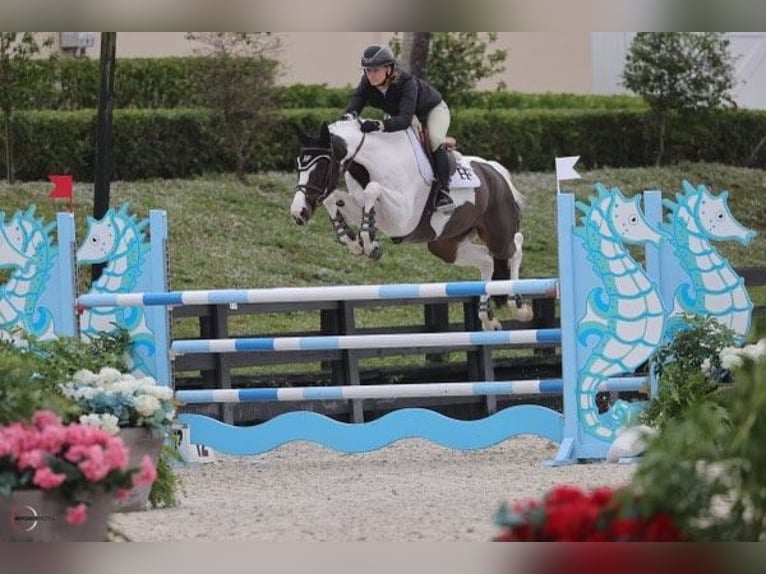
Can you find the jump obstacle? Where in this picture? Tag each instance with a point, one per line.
(614, 314)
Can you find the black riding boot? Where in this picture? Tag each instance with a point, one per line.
(443, 201)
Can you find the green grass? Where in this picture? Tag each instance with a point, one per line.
(226, 234)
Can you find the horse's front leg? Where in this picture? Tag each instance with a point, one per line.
(335, 204)
(370, 245)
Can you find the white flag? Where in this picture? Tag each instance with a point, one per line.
(565, 168)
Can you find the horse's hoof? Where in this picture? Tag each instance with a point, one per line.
(376, 253)
(491, 325)
(523, 313)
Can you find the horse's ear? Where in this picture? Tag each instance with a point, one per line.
(302, 136)
(324, 134)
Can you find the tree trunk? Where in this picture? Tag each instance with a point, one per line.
(662, 120)
(415, 52)
(8, 148)
(103, 164)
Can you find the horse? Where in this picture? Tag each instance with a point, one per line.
(388, 190)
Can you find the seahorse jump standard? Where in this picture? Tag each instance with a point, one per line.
(613, 316)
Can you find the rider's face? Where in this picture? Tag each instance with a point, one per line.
(376, 76)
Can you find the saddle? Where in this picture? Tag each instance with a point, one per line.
(425, 141)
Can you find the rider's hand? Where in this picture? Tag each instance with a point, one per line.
(347, 117)
(371, 126)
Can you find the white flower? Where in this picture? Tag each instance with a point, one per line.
(106, 422)
(109, 375)
(755, 351)
(730, 358)
(124, 386)
(84, 376)
(162, 393)
(707, 367)
(147, 405)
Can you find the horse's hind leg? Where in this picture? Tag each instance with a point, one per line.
(520, 311)
(468, 254)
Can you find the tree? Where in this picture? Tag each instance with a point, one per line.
(457, 61)
(238, 85)
(415, 52)
(679, 72)
(16, 49)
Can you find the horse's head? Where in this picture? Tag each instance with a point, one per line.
(318, 165)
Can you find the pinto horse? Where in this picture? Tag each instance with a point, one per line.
(388, 190)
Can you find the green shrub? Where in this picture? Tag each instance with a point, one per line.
(689, 370)
(708, 469)
(182, 143)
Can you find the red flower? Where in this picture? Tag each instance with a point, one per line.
(570, 514)
(661, 528)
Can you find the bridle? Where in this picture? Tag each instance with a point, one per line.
(331, 181)
(321, 153)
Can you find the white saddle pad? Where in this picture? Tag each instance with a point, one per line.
(464, 175)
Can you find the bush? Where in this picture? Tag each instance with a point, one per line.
(181, 143)
(689, 370)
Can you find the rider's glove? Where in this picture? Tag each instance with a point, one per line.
(347, 117)
(371, 126)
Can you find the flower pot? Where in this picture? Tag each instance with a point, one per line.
(40, 516)
(140, 442)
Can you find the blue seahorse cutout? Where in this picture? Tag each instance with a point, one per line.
(627, 315)
(26, 247)
(118, 239)
(693, 220)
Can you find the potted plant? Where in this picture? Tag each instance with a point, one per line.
(53, 363)
(58, 481)
(136, 409)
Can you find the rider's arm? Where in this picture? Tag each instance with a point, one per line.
(358, 98)
(407, 104)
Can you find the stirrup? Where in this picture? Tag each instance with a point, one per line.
(443, 201)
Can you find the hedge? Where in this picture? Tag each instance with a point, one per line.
(72, 84)
(182, 143)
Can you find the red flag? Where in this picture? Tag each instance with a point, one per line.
(62, 187)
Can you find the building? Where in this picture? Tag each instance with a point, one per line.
(538, 62)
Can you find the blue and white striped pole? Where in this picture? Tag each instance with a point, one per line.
(536, 337)
(521, 387)
(522, 287)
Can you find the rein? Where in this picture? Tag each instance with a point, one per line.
(345, 164)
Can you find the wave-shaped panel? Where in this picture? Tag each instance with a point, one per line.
(365, 437)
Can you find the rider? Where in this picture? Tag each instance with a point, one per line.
(403, 97)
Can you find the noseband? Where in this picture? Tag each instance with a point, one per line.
(330, 182)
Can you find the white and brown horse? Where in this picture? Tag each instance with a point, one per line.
(389, 189)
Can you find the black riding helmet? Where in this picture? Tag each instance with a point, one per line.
(377, 56)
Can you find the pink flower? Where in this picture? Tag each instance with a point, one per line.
(34, 458)
(94, 466)
(116, 453)
(147, 474)
(46, 479)
(53, 438)
(43, 419)
(77, 514)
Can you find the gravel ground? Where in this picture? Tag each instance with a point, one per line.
(412, 490)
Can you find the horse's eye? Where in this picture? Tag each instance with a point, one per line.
(94, 239)
(719, 216)
(633, 219)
